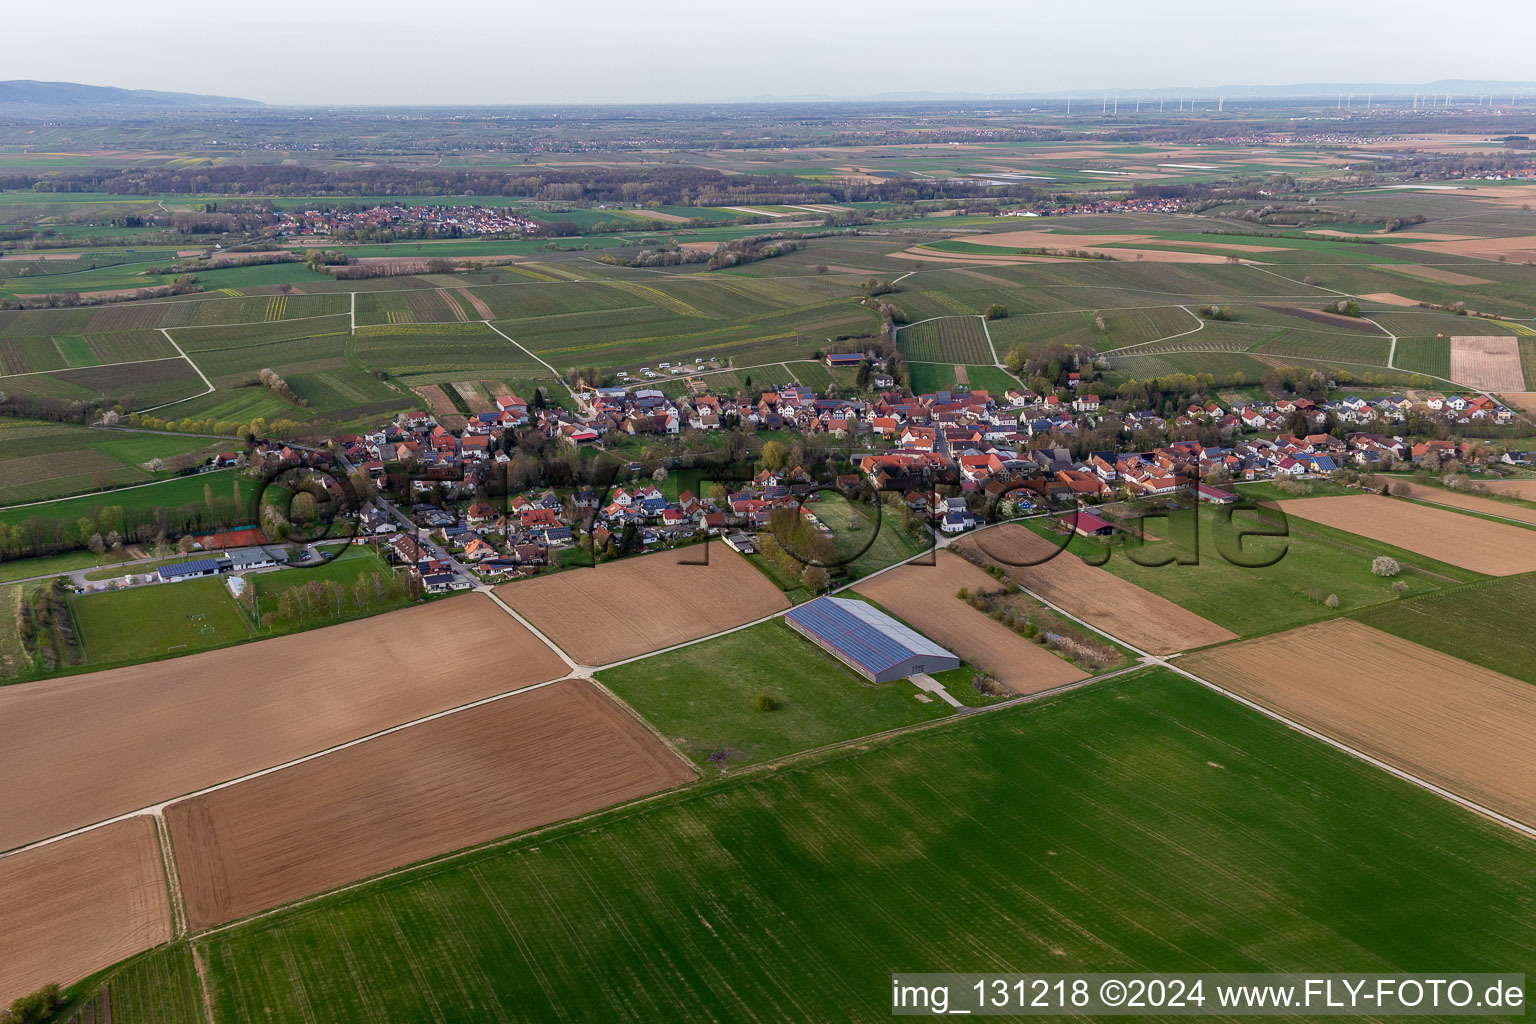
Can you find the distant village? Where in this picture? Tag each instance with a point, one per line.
(425, 221)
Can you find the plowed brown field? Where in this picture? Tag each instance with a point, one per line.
(1497, 549)
(88, 747)
(1524, 488)
(1487, 363)
(1097, 596)
(1449, 722)
(924, 597)
(527, 760)
(80, 904)
(1487, 506)
(625, 608)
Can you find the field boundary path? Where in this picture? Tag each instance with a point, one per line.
(1392, 351)
(1199, 326)
(182, 352)
(178, 899)
(988, 334)
(553, 372)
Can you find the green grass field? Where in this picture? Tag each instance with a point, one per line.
(345, 568)
(1317, 561)
(171, 493)
(930, 377)
(26, 568)
(1144, 824)
(144, 623)
(1488, 623)
(854, 530)
(702, 697)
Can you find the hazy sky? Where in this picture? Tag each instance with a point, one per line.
(483, 51)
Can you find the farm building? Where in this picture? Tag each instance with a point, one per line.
(1087, 524)
(192, 570)
(844, 358)
(1215, 495)
(867, 640)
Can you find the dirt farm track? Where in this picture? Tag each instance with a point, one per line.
(525, 760)
(81, 904)
(1095, 595)
(924, 597)
(621, 609)
(1457, 725)
(1498, 549)
(88, 747)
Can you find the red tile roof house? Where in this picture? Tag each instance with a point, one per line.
(532, 517)
(1082, 483)
(1086, 524)
(478, 549)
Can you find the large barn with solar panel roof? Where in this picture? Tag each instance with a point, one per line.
(867, 640)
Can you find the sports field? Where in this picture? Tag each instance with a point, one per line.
(120, 627)
(1123, 826)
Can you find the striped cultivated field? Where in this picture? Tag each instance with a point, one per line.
(950, 339)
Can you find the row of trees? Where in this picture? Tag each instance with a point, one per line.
(318, 601)
(45, 534)
(258, 427)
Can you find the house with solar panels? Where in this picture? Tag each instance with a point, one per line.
(867, 640)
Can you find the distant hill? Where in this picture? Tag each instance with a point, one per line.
(72, 94)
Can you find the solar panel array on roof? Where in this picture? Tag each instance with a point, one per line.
(863, 633)
(201, 565)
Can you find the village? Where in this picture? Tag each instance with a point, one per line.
(459, 508)
(431, 221)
